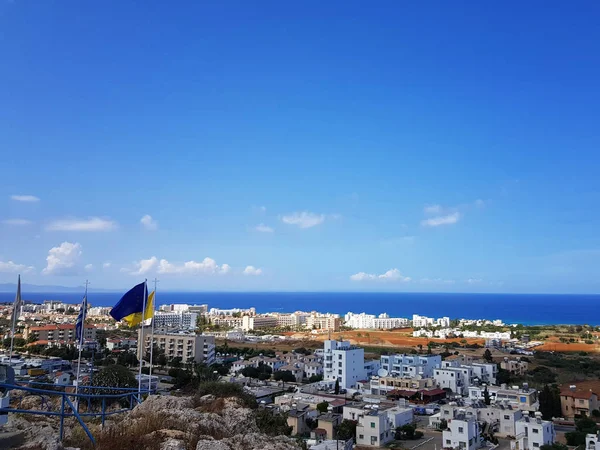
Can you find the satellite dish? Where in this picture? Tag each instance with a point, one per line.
(382, 373)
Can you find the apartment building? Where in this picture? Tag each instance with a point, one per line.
(462, 433)
(187, 346)
(524, 398)
(343, 362)
(481, 372)
(580, 398)
(98, 311)
(118, 344)
(294, 320)
(58, 334)
(227, 321)
(515, 366)
(313, 369)
(411, 365)
(274, 363)
(182, 320)
(329, 422)
(376, 422)
(425, 322)
(258, 322)
(457, 379)
(532, 432)
(329, 322)
(370, 321)
(383, 385)
(501, 418)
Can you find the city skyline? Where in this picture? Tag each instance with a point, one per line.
(230, 147)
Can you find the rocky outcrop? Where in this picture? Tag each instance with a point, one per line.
(162, 423)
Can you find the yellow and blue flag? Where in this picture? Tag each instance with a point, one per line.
(132, 302)
(136, 318)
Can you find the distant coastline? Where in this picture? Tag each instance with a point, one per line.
(525, 309)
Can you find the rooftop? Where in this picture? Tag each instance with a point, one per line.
(582, 389)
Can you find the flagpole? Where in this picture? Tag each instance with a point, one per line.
(152, 334)
(16, 304)
(142, 338)
(84, 313)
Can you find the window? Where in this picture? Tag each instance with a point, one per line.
(461, 430)
(361, 436)
(448, 442)
(580, 402)
(535, 430)
(372, 424)
(506, 417)
(339, 372)
(536, 444)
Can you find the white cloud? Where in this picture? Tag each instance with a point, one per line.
(63, 260)
(89, 267)
(441, 220)
(303, 219)
(91, 224)
(264, 228)
(142, 267)
(251, 270)
(474, 281)
(432, 209)
(106, 265)
(25, 198)
(390, 275)
(12, 267)
(17, 222)
(149, 223)
(206, 266)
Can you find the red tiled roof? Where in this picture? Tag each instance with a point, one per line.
(433, 392)
(583, 389)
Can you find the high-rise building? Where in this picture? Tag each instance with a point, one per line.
(187, 346)
(343, 362)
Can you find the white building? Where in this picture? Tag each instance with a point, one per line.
(231, 312)
(256, 322)
(182, 320)
(523, 398)
(456, 379)
(410, 365)
(294, 320)
(343, 362)
(313, 369)
(425, 322)
(98, 311)
(187, 346)
(317, 321)
(369, 321)
(376, 423)
(462, 433)
(533, 432)
(592, 442)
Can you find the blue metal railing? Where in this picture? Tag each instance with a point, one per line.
(89, 396)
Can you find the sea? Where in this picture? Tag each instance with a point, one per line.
(526, 309)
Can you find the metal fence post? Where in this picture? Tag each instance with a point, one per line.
(62, 415)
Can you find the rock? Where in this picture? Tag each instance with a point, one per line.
(173, 444)
(208, 398)
(212, 445)
(237, 418)
(155, 403)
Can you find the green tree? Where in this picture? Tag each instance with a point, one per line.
(487, 355)
(443, 424)
(315, 378)
(502, 376)
(284, 375)
(176, 362)
(582, 428)
(115, 376)
(550, 402)
(554, 446)
(322, 407)
(337, 386)
(31, 338)
(346, 430)
(486, 396)
(272, 423)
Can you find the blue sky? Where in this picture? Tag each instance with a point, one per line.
(397, 146)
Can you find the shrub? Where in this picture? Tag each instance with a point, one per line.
(225, 390)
